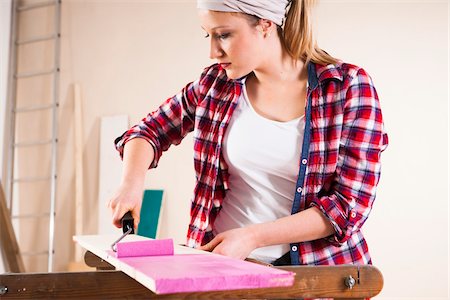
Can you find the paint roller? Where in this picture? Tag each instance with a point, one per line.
(157, 247)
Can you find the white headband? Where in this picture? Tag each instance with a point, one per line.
(273, 10)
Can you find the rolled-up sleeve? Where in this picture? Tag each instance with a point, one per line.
(357, 174)
(167, 125)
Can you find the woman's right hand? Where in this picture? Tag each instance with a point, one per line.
(127, 198)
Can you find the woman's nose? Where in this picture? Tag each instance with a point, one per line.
(215, 50)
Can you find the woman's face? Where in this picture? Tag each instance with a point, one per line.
(236, 44)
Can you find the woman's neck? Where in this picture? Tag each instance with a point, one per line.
(280, 68)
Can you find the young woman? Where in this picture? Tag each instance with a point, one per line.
(287, 141)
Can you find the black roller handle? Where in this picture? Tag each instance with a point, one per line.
(127, 222)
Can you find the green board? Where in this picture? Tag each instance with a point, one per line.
(150, 212)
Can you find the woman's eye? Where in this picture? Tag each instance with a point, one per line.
(222, 36)
(219, 36)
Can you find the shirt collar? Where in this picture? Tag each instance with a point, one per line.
(318, 73)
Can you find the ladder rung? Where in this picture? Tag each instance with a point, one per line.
(34, 253)
(34, 108)
(37, 39)
(31, 216)
(31, 179)
(32, 74)
(36, 5)
(35, 143)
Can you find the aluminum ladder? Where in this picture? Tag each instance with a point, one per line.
(14, 175)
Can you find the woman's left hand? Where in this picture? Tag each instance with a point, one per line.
(236, 243)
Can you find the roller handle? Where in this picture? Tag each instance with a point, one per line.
(127, 222)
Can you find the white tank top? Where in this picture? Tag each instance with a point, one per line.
(263, 160)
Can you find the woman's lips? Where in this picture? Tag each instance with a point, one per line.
(225, 65)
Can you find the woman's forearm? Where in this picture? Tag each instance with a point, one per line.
(137, 157)
(307, 225)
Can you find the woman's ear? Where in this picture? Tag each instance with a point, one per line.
(266, 27)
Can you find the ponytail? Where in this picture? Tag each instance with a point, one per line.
(297, 34)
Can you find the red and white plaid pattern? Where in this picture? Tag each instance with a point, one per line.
(347, 138)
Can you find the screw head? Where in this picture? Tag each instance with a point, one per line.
(349, 281)
(3, 289)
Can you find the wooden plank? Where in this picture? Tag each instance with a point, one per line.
(78, 167)
(311, 282)
(76, 285)
(101, 244)
(189, 270)
(110, 169)
(94, 261)
(9, 246)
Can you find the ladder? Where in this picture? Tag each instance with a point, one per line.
(23, 108)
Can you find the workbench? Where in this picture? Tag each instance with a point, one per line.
(108, 282)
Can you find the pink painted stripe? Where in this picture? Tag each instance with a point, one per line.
(203, 272)
(145, 248)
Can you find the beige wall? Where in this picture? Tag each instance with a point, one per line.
(128, 56)
(5, 17)
(404, 46)
(123, 56)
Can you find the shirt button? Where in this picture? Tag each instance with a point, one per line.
(304, 161)
(299, 189)
(353, 214)
(294, 248)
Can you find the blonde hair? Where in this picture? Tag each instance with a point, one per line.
(297, 34)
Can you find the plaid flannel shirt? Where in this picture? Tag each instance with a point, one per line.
(343, 166)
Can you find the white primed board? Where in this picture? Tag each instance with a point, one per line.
(110, 169)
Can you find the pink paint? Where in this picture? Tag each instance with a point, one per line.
(145, 248)
(204, 272)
